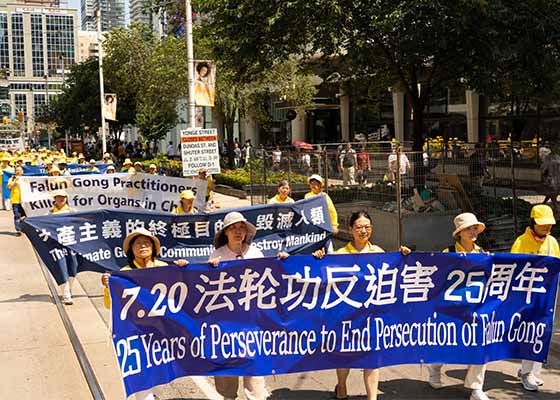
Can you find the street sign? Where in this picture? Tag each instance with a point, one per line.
(199, 149)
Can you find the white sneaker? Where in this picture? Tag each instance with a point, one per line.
(67, 299)
(478, 394)
(538, 380)
(434, 379)
(529, 382)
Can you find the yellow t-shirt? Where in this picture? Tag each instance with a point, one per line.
(350, 249)
(8, 168)
(330, 206)
(107, 294)
(180, 210)
(277, 200)
(15, 192)
(62, 210)
(527, 244)
(461, 249)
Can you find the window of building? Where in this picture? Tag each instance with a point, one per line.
(18, 51)
(4, 49)
(39, 101)
(37, 45)
(21, 103)
(60, 43)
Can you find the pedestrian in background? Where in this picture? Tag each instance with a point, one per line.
(348, 163)
(364, 164)
(467, 229)
(536, 240)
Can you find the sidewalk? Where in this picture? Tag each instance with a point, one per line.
(38, 360)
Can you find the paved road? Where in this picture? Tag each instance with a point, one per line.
(37, 361)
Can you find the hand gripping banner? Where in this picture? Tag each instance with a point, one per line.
(270, 316)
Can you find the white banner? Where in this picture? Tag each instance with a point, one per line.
(199, 149)
(95, 191)
(12, 144)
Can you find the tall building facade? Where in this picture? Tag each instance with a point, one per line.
(112, 14)
(37, 47)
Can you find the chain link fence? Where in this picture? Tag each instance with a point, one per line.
(414, 196)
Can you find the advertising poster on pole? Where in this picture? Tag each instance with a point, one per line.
(199, 149)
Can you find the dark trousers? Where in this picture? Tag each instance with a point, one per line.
(18, 214)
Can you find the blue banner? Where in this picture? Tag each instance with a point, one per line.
(96, 237)
(270, 316)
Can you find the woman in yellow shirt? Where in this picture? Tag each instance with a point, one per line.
(467, 229)
(283, 195)
(186, 203)
(141, 248)
(69, 263)
(15, 199)
(316, 185)
(361, 227)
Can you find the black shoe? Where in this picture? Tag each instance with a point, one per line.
(18, 233)
(335, 394)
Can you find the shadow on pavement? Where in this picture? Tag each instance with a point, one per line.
(288, 394)
(25, 298)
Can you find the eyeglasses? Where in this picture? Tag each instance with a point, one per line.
(359, 228)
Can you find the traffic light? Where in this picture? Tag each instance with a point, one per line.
(20, 116)
(5, 120)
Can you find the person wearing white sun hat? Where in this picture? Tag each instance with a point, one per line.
(467, 229)
(233, 242)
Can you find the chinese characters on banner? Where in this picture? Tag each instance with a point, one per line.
(199, 149)
(271, 316)
(97, 236)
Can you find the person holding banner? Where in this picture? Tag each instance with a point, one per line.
(360, 224)
(62, 168)
(536, 240)
(209, 197)
(141, 248)
(137, 168)
(316, 185)
(69, 263)
(153, 169)
(5, 166)
(233, 242)
(467, 229)
(283, 193)
(110, 169)
(92, 168)
(127, 166)
(186, 203)
(15, 199)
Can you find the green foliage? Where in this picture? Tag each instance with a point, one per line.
(255, 172)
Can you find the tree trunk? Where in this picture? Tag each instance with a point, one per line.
(417, 125)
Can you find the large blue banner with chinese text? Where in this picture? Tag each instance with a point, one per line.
(270, 316)
(96, 237)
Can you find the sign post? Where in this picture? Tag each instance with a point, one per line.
(199, 149)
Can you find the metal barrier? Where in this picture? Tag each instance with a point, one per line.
(493, 182)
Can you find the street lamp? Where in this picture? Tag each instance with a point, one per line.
(101, 86)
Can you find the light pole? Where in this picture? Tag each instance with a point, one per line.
(190, 61)
(47, 103)
(101, 88)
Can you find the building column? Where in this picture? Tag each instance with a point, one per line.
(472, 116)
(398, 114)
(344, 115)
(298, 127)
(249, 130)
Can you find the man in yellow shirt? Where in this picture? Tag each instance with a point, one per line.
(316, 185)
(92, 168)
(15, 199)
(536, 240)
